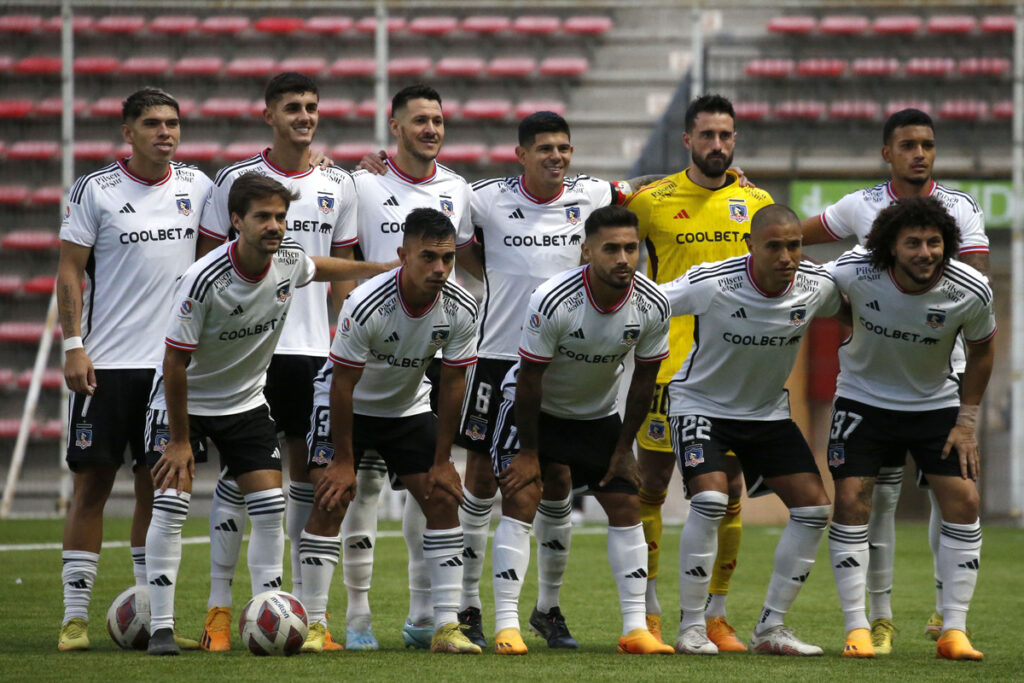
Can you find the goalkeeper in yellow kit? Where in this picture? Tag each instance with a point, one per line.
(698, 215)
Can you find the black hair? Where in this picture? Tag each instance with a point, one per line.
(288, 82)
(773, 214)
(252, 186)
(912, 212)
(541, 122)
(610, 217)
(905, 117)
(413, 92)
(141, 100)
(711, 104)
(428, 224)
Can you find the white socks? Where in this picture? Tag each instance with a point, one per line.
(475, 519)
(359, 533)
(442, 551)
(266, 542)
(934, 531)
(163, 555)
(300, 504)
(882, 541)
(627, 555)
(78, 576)
(794, 557)
(414, 523)
(848, 551)
(319, 557)
(959, 559)
(139, 565)
(698, 544)
(510, 559)
(227, 524)
(553, 527)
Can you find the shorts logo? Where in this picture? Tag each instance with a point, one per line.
(630, 335)
(325, 203)
(323, 454)
(693, 456)
(476, 429)
(836, 455)
(83, 436)
(935, 318)
(656, 430)
(738, 210)
(439, 335)
(447, 207)
(797, 316)
(284, 290)
(572, 214)
(161, 438)
(185, 310)
(184, 206)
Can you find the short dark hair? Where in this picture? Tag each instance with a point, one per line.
(905, 117)
(428, 224)
(288, 82)
(610, 217)
(251, 186)
(711, 104)
(773, 214)
(144, 98)
(912, 212)
(413, 92)
(541, 122)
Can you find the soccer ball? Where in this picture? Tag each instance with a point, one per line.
(273, 623)
(128, 618)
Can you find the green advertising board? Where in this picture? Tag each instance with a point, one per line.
(810, 197)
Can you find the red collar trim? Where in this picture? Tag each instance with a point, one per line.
(590, 295)
(893, 196)
(408, 178)
(535, 199)
(405, 306)
(232, 249)
(280, 171)
(938, 276)
(123, 165)
(760, 290)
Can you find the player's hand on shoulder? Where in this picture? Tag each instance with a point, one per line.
(965, 441)
(374, 163)
(743, 179)
(175, 468)
(79, 374)
(444, 476)
(622, 466)
(523, 470)
(319, 158)
(336, 488)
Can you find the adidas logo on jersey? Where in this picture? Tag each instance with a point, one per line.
(682, 214)
(127, 208)
(391, 201)
(508, 575)
(739, 314)
(226, 525)
(393, 337)
(578, 334)
(518, 213)
(238, 310)
(161, 580)
(873, 305)
(639, 573)
(363, 543)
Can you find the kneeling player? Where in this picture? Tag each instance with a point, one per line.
(730, 395)
(371, 395)
(579, 327)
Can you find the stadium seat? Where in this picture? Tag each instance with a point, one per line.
(854, 110)
(328, 25)
(1002, 109)
(258, 67)
(120, 24)
(144, 66)
(256, 107)
(769, 68)
(9, 427)
(197, 151)
(821, 67)
(367, 109)
(224, 25)
(224, 107)
(353, 67)
(186, 106)
(106, 106)
(930, 66)
(432, 26)
(50, 194)
(462, 153)
(335, 107)
(40, 284)
(20, 23)
(96, 66)
(278, 25)
(587, 25)
(51, 430)
(752, 111)
(875, 66)
(309, 66)
(38, 66)
(803, 110)
(9, 284)
(79, 23)
(33, 150)
(985, 66)
(237, 151)
(174, 24)
(15, 109)
(198, 66)
(449, 109)
(12, 195)
(963, 110)
(564, 66)
(794, 25)
(3, 148)
(511, 67)
(25, 240)
(409, 66)
(369, 24)
(352, 151)
(53, 378)
(93, 150)
(485, 24)
(844, 25)
(23, 332)
(6, 63)
(899, 105)
(486, 109)
(536, 25)
(956, 24)
(997, 23)
(896, 25)
(527, 107)
(464, 67)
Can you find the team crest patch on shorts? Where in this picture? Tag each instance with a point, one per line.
(476, 429)
(656, 430)
(323, 454)
(836, 455)
(161, 438)
(83, 436)
(693, 456)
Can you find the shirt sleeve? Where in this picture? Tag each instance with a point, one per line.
(840, 218)
(982, 324)
(685, 297)
(346, 224)
(653, 344)
(351, 343)
(831, 298)
(305, 271)
(464, 230)
(186, 322)
(81, 222)
(216, 222)
(460, 351)
(540, 333)
(973, 239)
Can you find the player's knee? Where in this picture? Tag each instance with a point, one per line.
(852, 505)
(522, 505)
(325, 523)
(655, 470)
(480, 479)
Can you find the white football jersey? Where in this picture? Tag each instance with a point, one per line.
(231, 323)
(745, 340)
(585, 345)
(394, 345)
(143, 236)
(527, 240)
(385, 201)
(898, 355)
(323, 218)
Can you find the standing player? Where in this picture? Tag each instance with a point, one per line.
(910, 300)
(578, 328)
(229, 314)
(697, 215)
(323, 222)
(129, 230)
(908, 140)
(729, 395)
(372, 393)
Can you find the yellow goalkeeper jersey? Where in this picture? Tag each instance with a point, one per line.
(684, 224)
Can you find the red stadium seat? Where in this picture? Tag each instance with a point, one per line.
(256, 107)
(335, 107)
(120, 24)
(12, 195)
(198, 151)
(369, 24)
(409, 66)
(309, 66)
(15, 109)
(367, 109)
(963, 110)
(54, 106)
(956, 24)
(527, 107)
(997, 23)
(186, 106)
(433, 26)
(9, 427)
(6, 63)
(93, 150)
(40, 284)
(20, 23)
(486, 109)
(278, 25)
(930, 66)
(795, 25)
(251, 66)
(512, 67)
(587, 25)
(26, 240)
(464, 67)
(875, 66)
(854, 110)
(536, 25)
(145, 66)
(985, 66)
(9, 284)
(38, 66)
(844, 25)
(802, 110)
(821, 67)
(350, 67)
(106, 106)
(1002, 109)
(752, 111)
(462, 153)
(53, 378)
(224, 107)
(896, 25)
(769, 68)
(51, 430)
(352, 151)
(174, 24)
(23, 332)
(97, 66)
(237, 151)
(224, 25)
(33, 150)
(3, 148)
(486, 25)
(900, 105)
(328, 25)
(198, 66)
(449, 109)
(564, 66)
(79, 23)
(51, 194)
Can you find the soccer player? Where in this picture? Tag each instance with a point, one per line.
(908, 140)
(895, 393)
(729, 395)
(372, 393)
(323, 222)
(578, 328)
(128, 231)
(227, 318)
(697, 215)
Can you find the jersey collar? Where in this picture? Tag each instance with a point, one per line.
(408, 178)
(931, 285)
(232, 256)
(590, 296)
(123, 165)
(535, 199)
(280, 171)
(405, 306)
(759, 289)
(895, 197)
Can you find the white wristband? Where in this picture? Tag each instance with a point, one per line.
(968, 416)
(72, 343)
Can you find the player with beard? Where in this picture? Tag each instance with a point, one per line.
(698, 215)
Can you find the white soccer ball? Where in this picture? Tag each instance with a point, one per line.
(273, 623)
(128, 618)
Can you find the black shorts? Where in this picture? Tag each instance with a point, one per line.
(480, 407)
(289, 391)
(406, 444)
(247, 441)
(863, 439)
(102, 426)
(585, 446)
(765, 449)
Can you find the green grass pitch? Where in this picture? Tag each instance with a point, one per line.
(31, 613)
